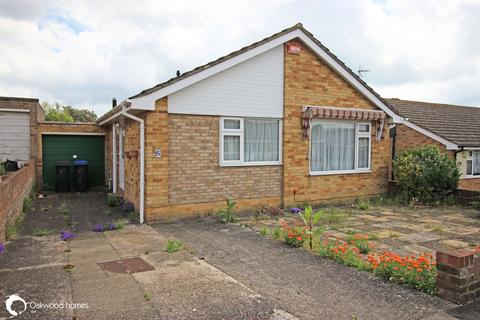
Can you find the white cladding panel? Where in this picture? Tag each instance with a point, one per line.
(14, 136)
(253, 88)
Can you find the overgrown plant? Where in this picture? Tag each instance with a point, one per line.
(174, 246)
(425, 174)
(40, 232)
(276, 233)
(310, 220)
(228, 215)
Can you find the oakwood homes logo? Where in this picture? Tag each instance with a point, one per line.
(16, 305)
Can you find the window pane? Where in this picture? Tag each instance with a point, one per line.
(476, 163)
(333, 146)
(231, 148)
(261, 140)
(363, 152)
(231, 124)
(469, 167)
(363, 127)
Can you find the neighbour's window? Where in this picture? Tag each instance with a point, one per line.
(339, 147)
(473, 163)
(250, 141)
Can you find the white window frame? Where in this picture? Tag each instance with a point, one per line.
(240, 133)
(470, 158)
(358, 135)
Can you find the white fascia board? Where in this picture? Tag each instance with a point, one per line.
(449, 145)
(15, 110)
(148, 102)
(115, 115)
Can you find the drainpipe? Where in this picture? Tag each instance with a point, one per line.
(142, 159)
(114, 158)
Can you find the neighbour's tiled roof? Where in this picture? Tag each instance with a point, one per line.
(458, 124)
(114, 110)
(248, 48)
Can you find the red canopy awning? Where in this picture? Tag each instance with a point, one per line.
(312, 112)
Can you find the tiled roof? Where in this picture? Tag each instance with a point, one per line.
(250, 47)
(458, 124)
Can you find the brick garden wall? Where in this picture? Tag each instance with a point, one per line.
(13, 190)
(309, 81)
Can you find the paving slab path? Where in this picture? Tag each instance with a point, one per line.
(304, 285)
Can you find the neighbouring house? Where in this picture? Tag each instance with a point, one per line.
(454, 129)
(18, 128)
(280, 122)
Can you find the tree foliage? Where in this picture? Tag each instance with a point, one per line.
(58, 112)
(426, 174)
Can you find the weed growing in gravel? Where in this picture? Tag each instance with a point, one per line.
(263, 231)
(174, 246)
(228, 215)
(64, 208)
(40, 232)
(276, 233)
(13, 228)
(362, 204)
(146, 296)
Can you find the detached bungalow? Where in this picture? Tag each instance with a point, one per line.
(454, 129)
(282, 121)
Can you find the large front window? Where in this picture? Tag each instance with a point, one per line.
(250, 141)
(339, 147)
(473, 163)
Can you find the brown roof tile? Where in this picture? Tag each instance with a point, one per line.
(458, 124)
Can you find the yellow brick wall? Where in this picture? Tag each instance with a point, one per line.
(132, 162)
(309, 81)
(156, 169)
(195, 175)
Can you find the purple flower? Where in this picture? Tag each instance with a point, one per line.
(65, 235)
(2, 248)
(112, 226)
(295, 210)
(98, 228)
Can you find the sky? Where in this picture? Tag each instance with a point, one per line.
(83, 53)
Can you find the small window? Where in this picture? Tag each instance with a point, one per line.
(231, 124)
(364, 127)
(250, 141)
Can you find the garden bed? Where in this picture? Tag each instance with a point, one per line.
(397, 243)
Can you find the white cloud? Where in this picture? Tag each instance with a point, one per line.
(84, 53)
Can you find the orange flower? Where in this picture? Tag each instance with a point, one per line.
(419, 270)
(299, 238)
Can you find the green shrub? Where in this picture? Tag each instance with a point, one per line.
(425, 174)
(2, 169)
(263, 231)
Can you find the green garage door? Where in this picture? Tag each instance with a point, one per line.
(64, 147)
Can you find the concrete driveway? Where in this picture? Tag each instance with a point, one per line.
(224, 272)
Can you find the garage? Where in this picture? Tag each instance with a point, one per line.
(57, 147)
(14, 136)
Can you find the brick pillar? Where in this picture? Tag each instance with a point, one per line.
(458, 278)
